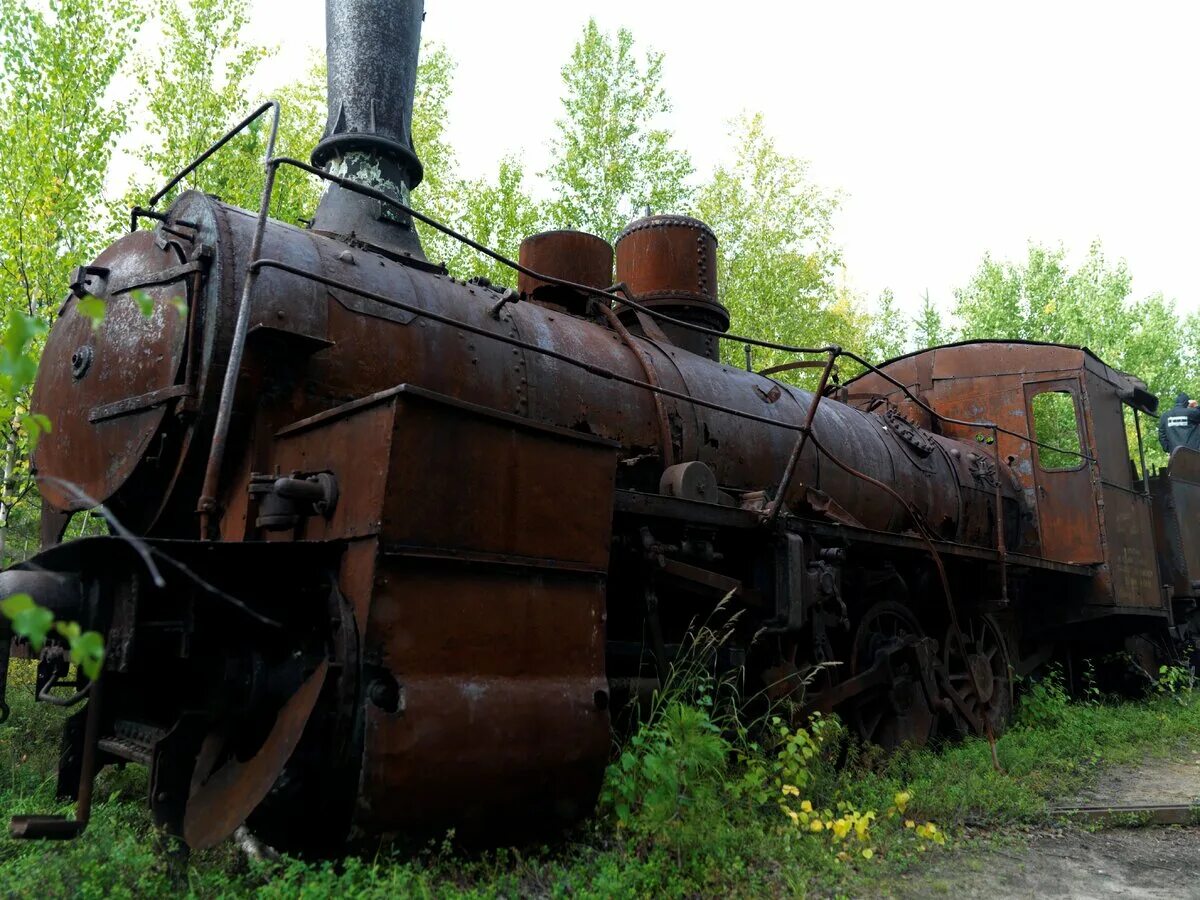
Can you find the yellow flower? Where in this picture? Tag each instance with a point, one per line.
(901, 800)
(841, 828)
(806, 805)
(909, 823)
(815, 825)
(792, 815)
(860, 828)
(868, 853)
(792, 789)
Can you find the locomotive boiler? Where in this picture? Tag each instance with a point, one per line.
(393, 546)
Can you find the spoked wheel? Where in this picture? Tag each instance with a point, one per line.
(983, 678)
(897, 713)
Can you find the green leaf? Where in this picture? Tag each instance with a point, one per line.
(145, 303)
(33, 624)
(20, 331)
(93, 308)
(16, 603)
(69, 630)
(35, 424)
(87, 651)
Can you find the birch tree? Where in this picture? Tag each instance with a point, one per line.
(58, 60)
(613, 156)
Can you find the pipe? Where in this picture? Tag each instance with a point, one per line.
(372, 48)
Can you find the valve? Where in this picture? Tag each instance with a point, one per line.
(283, 501)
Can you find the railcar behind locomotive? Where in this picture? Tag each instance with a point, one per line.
(392, 545)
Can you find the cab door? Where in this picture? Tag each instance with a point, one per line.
(1068, 518)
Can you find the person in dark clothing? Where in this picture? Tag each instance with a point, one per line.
(1179, 426)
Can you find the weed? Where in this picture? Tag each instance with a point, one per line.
(696, 802)
(1046, 703)
(1174, 680)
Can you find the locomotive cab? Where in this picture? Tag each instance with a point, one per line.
(1071, 428)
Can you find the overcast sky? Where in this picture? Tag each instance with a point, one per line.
(951, 129)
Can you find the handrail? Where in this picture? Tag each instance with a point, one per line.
(221, 142)
(216, 454)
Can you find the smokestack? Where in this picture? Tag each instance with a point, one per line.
(371, 47)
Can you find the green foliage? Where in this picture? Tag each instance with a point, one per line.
(612, 157)
(1056, 425)
(695, 761)
(195, 86)
(776, 257)
(1041, 299)
(87, 647)
(499, 215)
(20, 342)
(29, 620)
(34, 425)
(56, 139)
(887, 335)
(92, 309)
(670, 770)
(1174, 680)
(58, 61)
(929, 328)
(441, 194)
(1046, 704)
(35, 623)
(742, 847)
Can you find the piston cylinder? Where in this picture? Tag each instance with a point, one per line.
(669, 264)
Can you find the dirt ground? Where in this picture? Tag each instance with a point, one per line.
(1071, 862)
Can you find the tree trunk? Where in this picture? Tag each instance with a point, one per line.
(10, 461)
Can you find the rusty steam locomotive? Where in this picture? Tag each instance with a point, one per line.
(392, 546)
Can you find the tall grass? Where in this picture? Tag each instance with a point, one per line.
(693, 804)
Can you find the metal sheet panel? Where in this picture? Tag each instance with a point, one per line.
(1125, 511)
(1068, 521)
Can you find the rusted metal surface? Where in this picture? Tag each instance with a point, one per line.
(1093, 512)
(1124, 501)
(372, 48)
(222, 797)
(790, 469)
(901, 714)
(669, 263)
(216, 454)
(571, 255)
(129, 355)
(1132, 815)
(1063, 492)
(666, 443)
(489, 718)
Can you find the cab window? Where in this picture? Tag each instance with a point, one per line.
(1056, 426)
